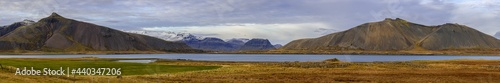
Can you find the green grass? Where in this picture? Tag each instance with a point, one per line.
(126, 68)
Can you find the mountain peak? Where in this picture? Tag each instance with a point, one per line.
(387, 19)
(53, 18)
(259, 39)
(56, 33)
(452, 25)
(390, 19)
(54, 14)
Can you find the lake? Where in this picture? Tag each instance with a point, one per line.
(266, 57)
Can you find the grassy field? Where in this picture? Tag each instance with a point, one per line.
(451, 71)
(126, 68)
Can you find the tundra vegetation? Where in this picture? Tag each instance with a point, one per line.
(330, 70)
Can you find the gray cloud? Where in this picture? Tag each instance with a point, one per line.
(483, 15)
(332, 15)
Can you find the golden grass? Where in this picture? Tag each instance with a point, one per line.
(450, 71)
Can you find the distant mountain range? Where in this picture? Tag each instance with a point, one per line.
(211, 43)
(399, 34)
(59, 34)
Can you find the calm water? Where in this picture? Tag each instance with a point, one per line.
(267, 57)
(137, 61)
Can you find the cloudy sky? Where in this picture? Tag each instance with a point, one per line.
(277, 20)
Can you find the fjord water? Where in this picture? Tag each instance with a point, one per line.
(268, 57)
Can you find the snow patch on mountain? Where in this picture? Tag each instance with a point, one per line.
(497, 35)
(25, 22)
(208, 43)
(169, 36)
(28, 22)
(244, 40)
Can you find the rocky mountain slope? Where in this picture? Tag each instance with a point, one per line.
(6, 29)
(57, 33)
(398, 34)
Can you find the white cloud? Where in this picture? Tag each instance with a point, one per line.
(482, 15)
(276, 33)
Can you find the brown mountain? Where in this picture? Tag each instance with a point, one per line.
(56, 33)
(398, 34)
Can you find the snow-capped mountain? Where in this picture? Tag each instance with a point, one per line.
(497, 35)
(8, 28)
(205, 43)
(168, 36)
(27, 22)
(238, 41)
(22, 23)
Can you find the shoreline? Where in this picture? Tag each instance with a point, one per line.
(308, 52)
(457, 52)
(325, 57)
(403, 54)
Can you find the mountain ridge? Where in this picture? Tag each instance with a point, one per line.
(8, 28)
(57, 33)
(398, 34)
